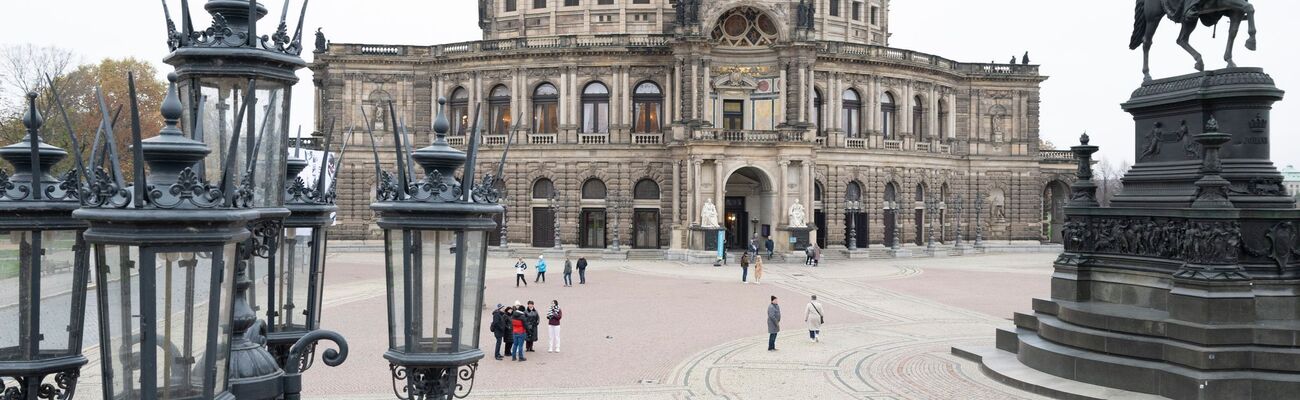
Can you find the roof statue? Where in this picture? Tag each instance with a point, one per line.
(1188, 13)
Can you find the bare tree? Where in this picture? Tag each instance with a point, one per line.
(1108, 177)
(23, 68)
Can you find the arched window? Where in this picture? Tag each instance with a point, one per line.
(543, 189)
(646, 189)
(499, 110)
(460, 122)
(647, 107)
(943, 192)
(891, 195)
(852, 123)
(918, 117)
(817, 191)
(888, 115)
(920, 193)
(853, 192)
(593, 189)
(943, 119)
(595, 108)
(745, 26)
(818, 126)
(546, 114)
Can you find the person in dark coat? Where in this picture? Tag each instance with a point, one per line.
(771, 246)
(568, 273)
(582, 270)
(531, 320)
(773, 324)
(744, 268)
(499, 327)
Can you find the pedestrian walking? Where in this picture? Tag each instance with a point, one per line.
(553, 326)
(541, 270)
(582, 270)
(773, 324)
(758, 269)
(813, 315)
(771, 246)
(817, 255)
(531, 319)
(520, 267)
(568, 272)
(520, 333)
(500, 329)
(744, 268)
(808, 255)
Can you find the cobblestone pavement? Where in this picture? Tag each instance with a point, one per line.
(664, 330)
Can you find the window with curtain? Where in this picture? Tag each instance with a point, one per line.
(918, 117)
(943, 119)
(852, 113)
(888, 112)
(460, 123)
(546, 114)
(817, 113)
(499, 107)
(595, 108)
(647, 108)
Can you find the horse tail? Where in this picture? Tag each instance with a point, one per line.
(1139, 26)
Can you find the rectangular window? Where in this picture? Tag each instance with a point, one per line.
(545, 117)
(647, 117)
(835, 8)
(595, 117)
(511, 5)
(570, 3)
(733, 114)
(640, 1)
(875, 15)
(539, 4)
(857, 11)
(605, 2)
(500, 124)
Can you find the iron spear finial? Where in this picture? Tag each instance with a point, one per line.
(171, 109)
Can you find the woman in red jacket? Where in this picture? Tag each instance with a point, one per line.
(520, 333)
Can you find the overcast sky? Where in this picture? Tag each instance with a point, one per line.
(1084, 50)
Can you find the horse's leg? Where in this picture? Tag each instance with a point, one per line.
(1150, 34)
(1250, 18)
(1183, 41)
(1235, 18)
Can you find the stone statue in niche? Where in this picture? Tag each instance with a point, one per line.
(999, 211)
(798, 215)
(709, 216)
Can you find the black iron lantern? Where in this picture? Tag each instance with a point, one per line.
(436, 234)
(164, 252)
(43, 270)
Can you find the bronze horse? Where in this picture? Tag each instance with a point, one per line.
(1188, 13)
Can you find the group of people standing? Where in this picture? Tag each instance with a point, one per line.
(521, 270)
(813, 316)
(516, 328)
(745, 260)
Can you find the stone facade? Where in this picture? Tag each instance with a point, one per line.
(744, 103)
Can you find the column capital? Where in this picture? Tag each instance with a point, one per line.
(783, 163)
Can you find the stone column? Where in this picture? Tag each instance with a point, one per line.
(563, 106)
(626, 99)
(695, 202)
(677, 192)
(809, 189)
(719, 185)
(787, 91)
(695, 90)
(708, 89)
(783, 219)
(574, 95)
(807, 77)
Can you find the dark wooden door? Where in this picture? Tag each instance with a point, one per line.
(592, 232)
(920, 227)
(494, 237)
(646, 229)
(543, 227)
(819, 219)
(891, 223)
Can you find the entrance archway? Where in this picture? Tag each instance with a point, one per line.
(1054, 198)
(891, 213)
(591, 231)
(748, 208)
(543, 227)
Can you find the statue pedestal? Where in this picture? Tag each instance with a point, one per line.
(705, 239)
(800, 237)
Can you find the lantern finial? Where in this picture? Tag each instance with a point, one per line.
(32, 119)
(440, 124)
(171, 109)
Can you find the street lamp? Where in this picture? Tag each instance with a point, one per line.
(853, 207)
(932, 206)
(43, 270)
(435, 243)
(164, 251)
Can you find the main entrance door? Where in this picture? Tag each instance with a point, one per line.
(819, 219)
(592, 234)
(543, 227)
(891, 224)
(737, 223)
(646, 223)
(920, 227)
(860, 229)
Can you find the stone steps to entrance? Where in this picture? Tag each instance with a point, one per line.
(1004, 367)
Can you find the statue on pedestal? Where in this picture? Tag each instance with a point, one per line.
(798, 216)
(1188, 13)
(709, 217)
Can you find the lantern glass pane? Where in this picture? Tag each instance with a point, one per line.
(319, 249)
(225, 266)
(58, 281)
(225, 97)
(394, 259)
(15, 272)
(118, 293)
(190, 303)
(471, 295)
(293, 280)
(435, 295)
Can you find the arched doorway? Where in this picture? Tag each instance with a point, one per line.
(645, 215)
(919, 206)
(856, 222)
(543, 215)
(1054, 198)
(591, 228)
(891, 213)
(748, 208)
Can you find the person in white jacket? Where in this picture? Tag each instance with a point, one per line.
(520, 267)
(814, 317)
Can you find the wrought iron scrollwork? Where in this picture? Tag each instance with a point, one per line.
(423, 383)
(105, 192)
(266, 237)
(435, 188)
(298, 191)
(7, 185)
(189, 189)
(220, 34)
(63, 387)
(69, 187)
(486, 190)
(387, 189)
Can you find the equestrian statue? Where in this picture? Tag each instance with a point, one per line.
(1188, 13)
